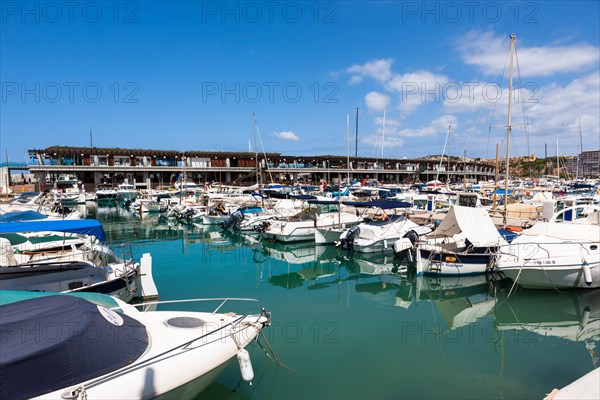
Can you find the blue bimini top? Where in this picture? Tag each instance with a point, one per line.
(84, 226)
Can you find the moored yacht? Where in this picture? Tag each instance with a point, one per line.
(133, 355)
(68, 190)
(126, 191)
(68, 255)
(563, 253)
(105, 192)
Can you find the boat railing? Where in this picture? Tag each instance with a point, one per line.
(129, 266)
(222, 301)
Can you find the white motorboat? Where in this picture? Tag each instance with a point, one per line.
(188, 187)
(562, 253)
(319, 214)
(105, 192)
(57, 256)
(257, 222)
(465, 243)
(133, 354)
(42, 203)
(379, 232)
(126, 191)
(68, 190)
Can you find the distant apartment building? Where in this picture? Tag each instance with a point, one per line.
(588, 163)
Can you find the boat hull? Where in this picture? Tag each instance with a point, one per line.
(375, 246)
(327, 235)
(90, 279)
(555, 277)
(431, 262)
(210, 347)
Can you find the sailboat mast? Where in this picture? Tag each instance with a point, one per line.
(356, 130)
(348, 150)
(557, 162)
(255, 147)
(580, 150)
(513, 39)
(496, 179)
(437, 175)
(383, 134)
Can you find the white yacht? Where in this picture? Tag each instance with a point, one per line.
(302, 227)
(105, 192)
(68, 190)
(133, 355)
(563, 253)
(126, 191)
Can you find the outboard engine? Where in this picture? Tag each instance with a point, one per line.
(406, 242)
(412, 236)
(234, 220)
(262, 226)
(187, 213)
(347, 238)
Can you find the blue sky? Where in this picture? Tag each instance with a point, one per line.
(188, 76)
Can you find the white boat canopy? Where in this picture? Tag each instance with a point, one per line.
(565, 231)
(475, 225)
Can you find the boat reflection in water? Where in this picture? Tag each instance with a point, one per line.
(569, 315)
(460, 300)
(304, 262)
(374, 273)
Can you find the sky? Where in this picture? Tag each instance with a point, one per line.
(426, 77)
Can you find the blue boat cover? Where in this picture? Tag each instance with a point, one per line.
(15, 216)
(383, 204)
(328, 201)
(84, 226)
(507, 235)
(55, 342)
(303, 197)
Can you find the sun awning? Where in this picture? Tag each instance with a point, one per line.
(473, 223)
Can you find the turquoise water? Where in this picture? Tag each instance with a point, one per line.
(347, 326)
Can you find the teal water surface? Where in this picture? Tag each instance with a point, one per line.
(350, 326)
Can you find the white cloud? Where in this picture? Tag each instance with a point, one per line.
(286, 135)
(390, 142)
(422, 80)
(376, 101)
(551, 111)
(437, 126)
(559, 109)
(415, 88)
(376, 69)
(489, 52)
(394, 137)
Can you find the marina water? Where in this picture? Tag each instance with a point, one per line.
(354, 326)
